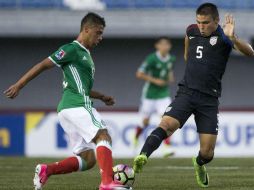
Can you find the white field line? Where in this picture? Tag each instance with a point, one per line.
(191, 168)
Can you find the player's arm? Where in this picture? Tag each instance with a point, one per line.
(143, 71)
(14, 89)
(240, 45)
(143, 76)
(171, 77)
(186, 47)
(108, 100)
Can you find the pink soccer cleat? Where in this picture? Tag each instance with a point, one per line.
(40, 176)
(114, 186)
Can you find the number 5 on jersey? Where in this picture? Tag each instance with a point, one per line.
(199, 52)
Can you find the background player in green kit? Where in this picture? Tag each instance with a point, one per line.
(80, 121)
(157, 72)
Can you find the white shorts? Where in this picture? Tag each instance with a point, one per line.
(81, 126)
(153, 106)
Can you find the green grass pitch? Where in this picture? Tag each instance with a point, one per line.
(159, 174)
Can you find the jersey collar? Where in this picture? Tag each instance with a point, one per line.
(83, 47)
(163, 59)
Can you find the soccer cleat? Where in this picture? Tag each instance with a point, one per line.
(139, 162)
(114, 186)
(40, 176)
(201, 174)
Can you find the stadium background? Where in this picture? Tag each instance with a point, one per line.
(32, 30)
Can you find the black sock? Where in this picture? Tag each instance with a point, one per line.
(201, 160)
(153, 141)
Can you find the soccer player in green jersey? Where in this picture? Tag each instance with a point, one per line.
(157, 72)
(80, 121)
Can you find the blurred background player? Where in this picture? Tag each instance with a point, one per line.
(157, 72)
(80, 121)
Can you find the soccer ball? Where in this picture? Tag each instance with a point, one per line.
(123, 174)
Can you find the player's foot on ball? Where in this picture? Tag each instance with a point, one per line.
(201, 174)
(139, 162)
(40, 176)
(114, 186)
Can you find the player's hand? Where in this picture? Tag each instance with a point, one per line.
(108, 100)
(160, 82)
(12, 91)
(229, 26)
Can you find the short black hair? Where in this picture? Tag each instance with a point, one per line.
(92, 19)
(162, 38)
(208, 9)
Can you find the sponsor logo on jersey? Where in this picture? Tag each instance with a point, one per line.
(213, 40)
(65, 84)
(168, 109)
(60, 54)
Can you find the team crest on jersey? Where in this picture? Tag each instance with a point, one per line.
(213, 40)
(60, 54)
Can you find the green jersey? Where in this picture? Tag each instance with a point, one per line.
(78, 71)
(158, 67)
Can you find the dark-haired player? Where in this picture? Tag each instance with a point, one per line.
(207, 49)
(80, 121)
(157, 72)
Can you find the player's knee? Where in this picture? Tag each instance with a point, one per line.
(91, 163)
(102, 135)
(88, 158)
(169, 124)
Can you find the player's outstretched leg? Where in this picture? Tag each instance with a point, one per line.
(202, 176)
(167, 127)
(68, 165)
(152, 143)
(105, 162)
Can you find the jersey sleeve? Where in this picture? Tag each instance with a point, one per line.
(63, 55)
(190, 29)
(146, 65)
